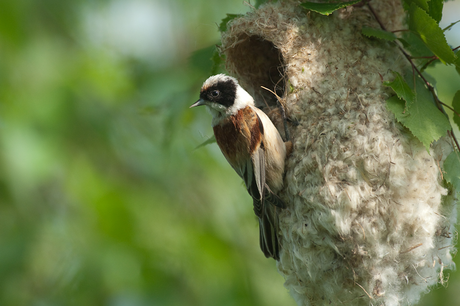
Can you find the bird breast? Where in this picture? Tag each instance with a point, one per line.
(238, 136)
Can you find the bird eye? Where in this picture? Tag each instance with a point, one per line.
(215, 93)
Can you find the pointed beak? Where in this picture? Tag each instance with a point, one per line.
(197, 103)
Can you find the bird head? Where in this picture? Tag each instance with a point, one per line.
(223, 96)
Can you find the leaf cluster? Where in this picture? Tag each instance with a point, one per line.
(416, 104)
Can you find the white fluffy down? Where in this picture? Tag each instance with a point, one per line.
(368, 220)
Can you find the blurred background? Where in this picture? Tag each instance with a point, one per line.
(104, 198)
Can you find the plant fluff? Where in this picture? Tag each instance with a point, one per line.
(368, 219)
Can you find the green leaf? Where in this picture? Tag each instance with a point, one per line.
(405, 44)
(327, 8)
(456, 106)
(397, 107)
(451, 168)
(201, 59)
(457, 62)
(260, 2)
(422, 118)
(218, 61)
(420, 3)
(415, 45)
(378, 33)
(431, 34)
(402, 89)
(435, 9)
(223, 24)
(210, 140)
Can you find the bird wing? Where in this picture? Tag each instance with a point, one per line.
(252, 171)
(264, 201)
(268, 223)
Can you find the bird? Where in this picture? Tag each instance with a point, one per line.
(253, 147)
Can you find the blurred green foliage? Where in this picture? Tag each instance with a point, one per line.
(103, 199)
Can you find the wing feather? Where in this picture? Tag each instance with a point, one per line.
(266, 203)
(258, 164)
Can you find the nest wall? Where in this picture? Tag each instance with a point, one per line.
(368, 219)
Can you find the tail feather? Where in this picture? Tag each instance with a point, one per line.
(272, 198)
(269, 225)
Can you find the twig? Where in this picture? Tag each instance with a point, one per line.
(411, 248)
(449, 107)
(364, 291)
(249, 4)
(283, 113)
(450, 26)
(428, 63)
(451, 134)
(417, 57)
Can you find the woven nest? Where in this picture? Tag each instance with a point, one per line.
(368, 218)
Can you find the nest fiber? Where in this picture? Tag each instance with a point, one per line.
(369, 221)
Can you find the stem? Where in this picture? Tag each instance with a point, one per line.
(451, 134)
(428, 63)
(449, 107)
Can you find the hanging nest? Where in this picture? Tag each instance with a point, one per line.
(368, 219)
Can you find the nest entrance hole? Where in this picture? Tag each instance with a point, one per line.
(259, 63)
